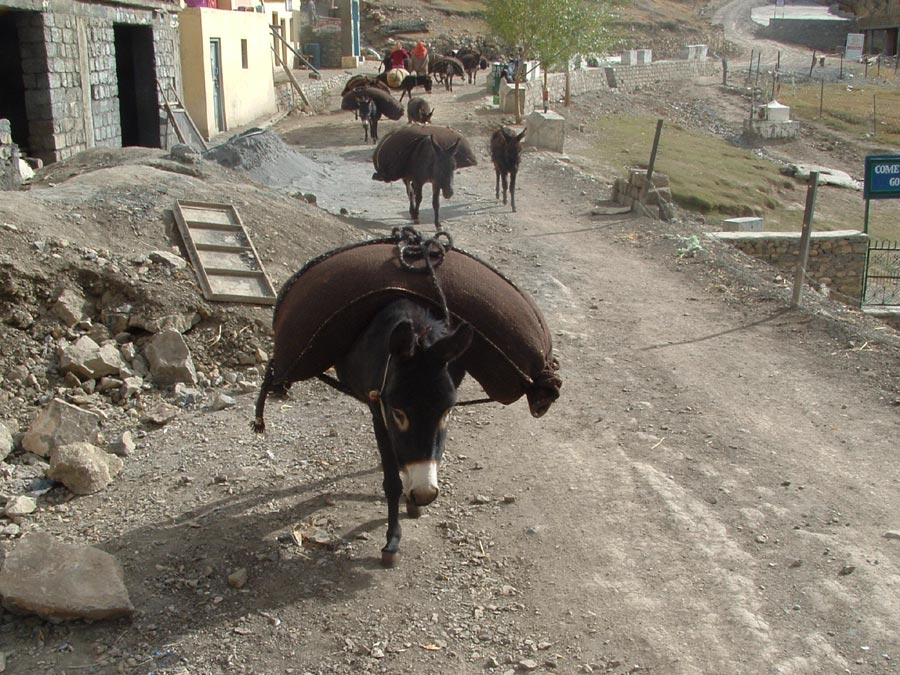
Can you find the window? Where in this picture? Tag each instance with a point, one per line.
(244, 58)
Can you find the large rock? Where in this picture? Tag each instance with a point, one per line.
(170, 359)
(6, 442)
(157, 324)
(60, 581)
(88, 360)
(83, 468)
(71, 306)
(60, 424)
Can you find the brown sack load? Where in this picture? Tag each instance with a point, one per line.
(393, 152)
(323, 308)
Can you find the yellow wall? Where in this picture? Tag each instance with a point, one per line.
(247, 94)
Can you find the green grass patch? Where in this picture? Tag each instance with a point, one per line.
(864, 109)
(706, 174)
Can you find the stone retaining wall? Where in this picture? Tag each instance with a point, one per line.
(624, 78)
(837, 260)
(69, 71)
(316, 90)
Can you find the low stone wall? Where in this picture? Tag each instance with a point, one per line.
(837, 260)
(625, 78)
(316, 90)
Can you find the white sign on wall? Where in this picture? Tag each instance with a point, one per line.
(855, 43)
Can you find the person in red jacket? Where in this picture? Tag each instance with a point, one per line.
(399, 58)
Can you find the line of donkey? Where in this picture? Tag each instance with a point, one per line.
(420, 154)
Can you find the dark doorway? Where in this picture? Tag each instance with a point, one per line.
(12, 84)
(136, 75)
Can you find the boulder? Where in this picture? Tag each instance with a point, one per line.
(59, 424)
(83, 468)
(6, 442)
(71, 306)
(170, 359)
(88, 360)
(61, 581)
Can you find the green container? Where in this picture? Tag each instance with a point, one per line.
(496, 70)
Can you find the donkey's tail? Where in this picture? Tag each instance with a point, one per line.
(259, 423)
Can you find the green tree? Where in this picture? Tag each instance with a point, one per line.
(550, 31)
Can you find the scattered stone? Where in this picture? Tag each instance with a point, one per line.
(222, 401)
(131, 386)
(892, 534)
(88, 360)
(169, 259)
(124, 446)
(182, 152)
(481, 499)
(60, 581)
(20, 318)
(238, 578)
(509, 499)
(6, 442)
(170, 359)
(186, 395)
(20, 505)
(161, 413)
(527, 665)
(180, 323)
(60, 424)
(83, 468)
(847, 570)
(71, 306)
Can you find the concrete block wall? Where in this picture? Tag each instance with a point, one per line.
(837, 260)
(69, 71)
(316, 90)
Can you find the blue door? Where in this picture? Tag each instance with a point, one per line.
(215, 66)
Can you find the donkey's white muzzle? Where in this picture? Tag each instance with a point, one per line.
(419, 479)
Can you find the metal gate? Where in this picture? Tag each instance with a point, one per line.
(882, 274)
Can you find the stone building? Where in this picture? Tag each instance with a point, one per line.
(76, 75)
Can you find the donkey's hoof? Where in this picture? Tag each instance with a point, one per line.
(413, 510)
(389, 559)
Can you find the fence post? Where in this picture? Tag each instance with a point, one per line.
(821, 96)
(805, 237)
(813, 64)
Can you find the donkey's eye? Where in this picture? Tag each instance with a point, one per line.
(400, 419)
(445, 418)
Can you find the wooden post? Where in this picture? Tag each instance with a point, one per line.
(813, 64)
(659, 125)
(284, 39)
(275, 24)
(724, 71)
(841, 76)
(805, 237)
(821, 96)
(750, 69)
(874, 118)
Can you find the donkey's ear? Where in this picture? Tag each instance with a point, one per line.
(402, 343)
(454, 345)
(428, 116)
(453, 147)
(519, 137)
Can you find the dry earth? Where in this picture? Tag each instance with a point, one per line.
(711, 494)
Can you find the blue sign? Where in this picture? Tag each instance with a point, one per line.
(882, 177)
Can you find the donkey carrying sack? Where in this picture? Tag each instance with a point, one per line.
(322, 309)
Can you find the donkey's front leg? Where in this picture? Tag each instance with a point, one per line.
(503, 177)
(512, 189)
(393, 489)
(435, 204)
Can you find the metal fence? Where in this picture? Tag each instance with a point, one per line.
(882, 274)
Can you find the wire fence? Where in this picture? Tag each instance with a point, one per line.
(861, 96)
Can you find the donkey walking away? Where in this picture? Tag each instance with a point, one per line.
(419, 110)
(419, 154)
(506, 153)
